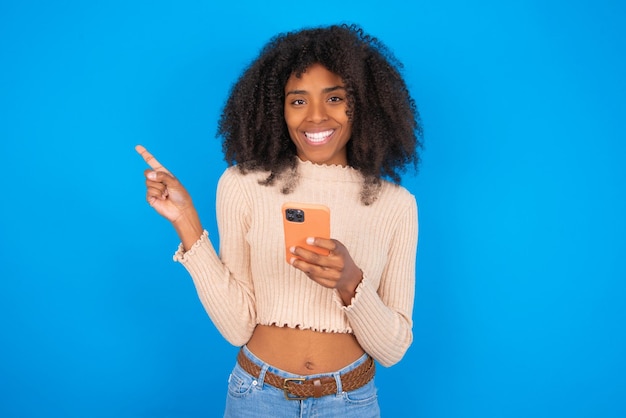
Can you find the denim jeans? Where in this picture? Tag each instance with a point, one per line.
(251, 397)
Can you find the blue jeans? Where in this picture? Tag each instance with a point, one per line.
(250, 397)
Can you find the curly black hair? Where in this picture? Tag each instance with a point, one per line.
(386, 127)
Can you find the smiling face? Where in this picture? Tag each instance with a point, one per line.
(315, 113)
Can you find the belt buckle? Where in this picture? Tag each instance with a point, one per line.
(286, 388)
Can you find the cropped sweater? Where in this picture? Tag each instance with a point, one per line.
(249, 282)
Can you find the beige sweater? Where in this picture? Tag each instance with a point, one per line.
(250, 282)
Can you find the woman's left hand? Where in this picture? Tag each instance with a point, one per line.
(336, 270)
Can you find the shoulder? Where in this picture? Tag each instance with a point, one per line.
(395, 194)
(249, 184)
(234, 175)
(397, 203)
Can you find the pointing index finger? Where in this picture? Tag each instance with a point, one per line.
(150, 160)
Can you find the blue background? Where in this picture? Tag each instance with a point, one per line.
(521, 298)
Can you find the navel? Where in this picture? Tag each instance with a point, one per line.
(309, 365)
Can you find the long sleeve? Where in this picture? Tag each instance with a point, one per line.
(224, 282)
(381, 317)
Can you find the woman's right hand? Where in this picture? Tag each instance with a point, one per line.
(170, 199)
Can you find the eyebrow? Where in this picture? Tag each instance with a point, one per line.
(326, 90)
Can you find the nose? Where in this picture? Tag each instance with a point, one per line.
(317, 112)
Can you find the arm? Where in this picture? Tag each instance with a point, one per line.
(223, 285)
(224, 282)
(380, 312)
(382, 317)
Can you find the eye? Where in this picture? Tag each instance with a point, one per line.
(298, 102)
(335, 99)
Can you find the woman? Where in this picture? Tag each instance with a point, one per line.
(321, 116)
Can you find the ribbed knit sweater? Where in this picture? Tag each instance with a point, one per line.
(251, 283)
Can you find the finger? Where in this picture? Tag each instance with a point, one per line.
(156, 189)
(304, 254)
(327, 244)
(150, 160)
(151, 198)
(324, 276)
(160, 177)
(311, 258)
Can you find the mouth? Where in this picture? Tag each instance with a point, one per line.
(318, 138)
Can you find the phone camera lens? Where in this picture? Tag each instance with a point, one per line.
(294, 215)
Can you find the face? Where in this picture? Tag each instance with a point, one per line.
(315, 113)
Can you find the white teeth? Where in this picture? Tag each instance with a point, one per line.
(318, 136)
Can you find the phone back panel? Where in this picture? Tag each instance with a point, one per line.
(303, 220)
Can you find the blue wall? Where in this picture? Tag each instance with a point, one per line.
(520, 307)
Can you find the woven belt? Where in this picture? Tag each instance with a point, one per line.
(297, 388)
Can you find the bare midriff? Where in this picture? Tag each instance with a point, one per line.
(304, 352)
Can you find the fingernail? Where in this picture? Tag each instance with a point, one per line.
(292, 249)
(310, 240)
(152, 175)
(292, 260)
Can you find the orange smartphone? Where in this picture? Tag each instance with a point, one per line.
(303, 220)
